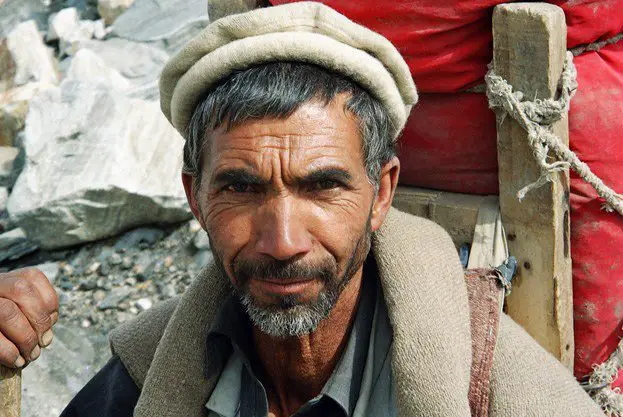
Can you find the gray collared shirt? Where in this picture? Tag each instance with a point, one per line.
(360, 386)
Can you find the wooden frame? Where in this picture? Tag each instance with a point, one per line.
(529, 51)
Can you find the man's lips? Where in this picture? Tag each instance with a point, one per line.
(282, 287)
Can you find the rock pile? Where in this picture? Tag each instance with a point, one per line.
(89, 171)
(81, 104)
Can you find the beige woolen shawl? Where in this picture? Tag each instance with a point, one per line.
(164, 349)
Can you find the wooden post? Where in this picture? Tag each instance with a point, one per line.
(529, 41)
(10, 392)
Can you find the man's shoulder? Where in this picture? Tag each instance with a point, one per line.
(136, 340)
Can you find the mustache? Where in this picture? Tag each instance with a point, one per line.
(285, 271)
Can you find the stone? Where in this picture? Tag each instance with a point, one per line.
(194, 226)
(127, 263)
(8, 156)
(14, 244)
(99, 295)
(168, 291)
(111, 9)
(67, 270)
(4, 196)
(115, 259)
(50, 270)
(104, 270)
(168, 261)
(30, 59)
(202, 258)
(99, 29)
(151, 21)
(88, 67)
(67, 286)
(112, 300)
(139, 63)
(143, 266)
(144, 304)
(13, 12)
(62, 24)
(94, 267)
(83, 32)
(71, 32)
(87, 9)
(96, 176)
(62, 370)
(201, 241)
(143, 235)
(87, 285)
(12, 121)
(14, 109)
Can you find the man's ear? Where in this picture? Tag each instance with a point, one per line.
(385, 194)
(189, 183)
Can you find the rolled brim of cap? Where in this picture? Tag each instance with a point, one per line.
(299, 32)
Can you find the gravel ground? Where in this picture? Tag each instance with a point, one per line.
(100, 285)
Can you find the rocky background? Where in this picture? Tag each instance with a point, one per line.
(89, 172)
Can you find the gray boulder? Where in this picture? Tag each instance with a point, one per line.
(97, 163)
(14, 244)
(111, 9)
(24, 58)
(13, 12)
(139, 63)
(4, 196)
(170, 23)
(73, 358)
(8, 156)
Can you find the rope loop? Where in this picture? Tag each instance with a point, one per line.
(537, 118)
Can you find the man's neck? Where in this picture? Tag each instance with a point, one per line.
(294, 370)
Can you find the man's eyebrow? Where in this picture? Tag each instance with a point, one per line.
(237, 175)
(327, 174)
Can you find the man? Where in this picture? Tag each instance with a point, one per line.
(322, 300)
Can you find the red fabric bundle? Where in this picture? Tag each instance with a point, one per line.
(449, 142)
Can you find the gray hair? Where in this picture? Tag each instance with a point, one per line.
(276, 90)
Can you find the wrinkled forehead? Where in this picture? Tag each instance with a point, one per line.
(316, 134)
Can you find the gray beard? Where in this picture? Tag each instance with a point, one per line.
(294, 321)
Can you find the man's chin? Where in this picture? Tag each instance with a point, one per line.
(287, 316)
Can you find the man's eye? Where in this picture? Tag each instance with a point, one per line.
(239, 188)
(324, 185)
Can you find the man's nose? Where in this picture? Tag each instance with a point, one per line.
(282, 232)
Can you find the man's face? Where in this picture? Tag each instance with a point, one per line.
(289, 211)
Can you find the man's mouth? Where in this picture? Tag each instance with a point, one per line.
(281, 287)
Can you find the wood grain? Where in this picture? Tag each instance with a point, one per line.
(10, 392)
(455, 212)
(529, 50)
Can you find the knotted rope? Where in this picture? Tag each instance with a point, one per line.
(536, 118)
(599, 385)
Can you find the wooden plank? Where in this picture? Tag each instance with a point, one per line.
(529, 50)
(10, 392)
(457, 213)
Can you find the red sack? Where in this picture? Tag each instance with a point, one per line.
(596, 132)
(449, 142)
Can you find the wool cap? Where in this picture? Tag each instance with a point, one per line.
(306, 32)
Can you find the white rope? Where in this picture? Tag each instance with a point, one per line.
(596, 46)
(536, 118)
(599, 385)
